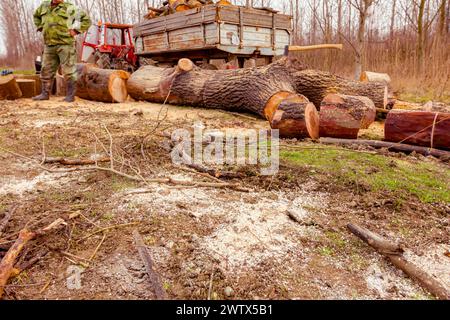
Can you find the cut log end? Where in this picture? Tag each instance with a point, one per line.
(185, 65)
(296, 117)
(118, 89)
(9, 89)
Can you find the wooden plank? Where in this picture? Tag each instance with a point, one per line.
(229, 14)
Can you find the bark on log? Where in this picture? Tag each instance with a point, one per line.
(391, 146)
(394, 253)
(9, 89)
(35, 77)
(263, 91)
(369, 76)
(102, 85)
(316, 85)
(28, 87)
(421, 128)
(342, 116)
(429, 106)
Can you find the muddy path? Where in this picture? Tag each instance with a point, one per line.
(215, 243)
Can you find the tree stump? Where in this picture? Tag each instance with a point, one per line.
(9, 89)
(28, 87)
(35, 77)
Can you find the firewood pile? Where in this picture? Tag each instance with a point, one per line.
(172, 6)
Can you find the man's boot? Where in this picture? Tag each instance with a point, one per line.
(71, 88)
(45, 94)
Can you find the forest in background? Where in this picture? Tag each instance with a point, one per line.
(409, 39)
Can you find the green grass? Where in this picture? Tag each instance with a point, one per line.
(429, 182)
(424, 97)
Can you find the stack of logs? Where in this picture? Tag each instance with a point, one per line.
(172, 6)
(301, 103)
(19, 86)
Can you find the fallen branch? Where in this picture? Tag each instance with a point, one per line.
(391, 146)
(146, 258)
(7, 264)
(395, 254)
(74, 162)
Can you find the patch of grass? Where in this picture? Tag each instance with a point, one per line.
(424, 97)
(326, 251)
(120, 184)
(336, 239)
(66, 153)
(429, 182)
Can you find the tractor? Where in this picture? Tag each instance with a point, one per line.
(110, 46)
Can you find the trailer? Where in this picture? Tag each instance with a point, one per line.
(214, 32)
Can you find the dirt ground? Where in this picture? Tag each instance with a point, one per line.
(216, 243)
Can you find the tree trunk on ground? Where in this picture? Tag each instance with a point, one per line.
(316, 85)
(421, 128)
(101, 84)
(28, 87)
(343, 116)
(9, 89)
(267, 91)
(259, 90)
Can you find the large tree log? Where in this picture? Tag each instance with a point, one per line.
(261, 90)
(395, 254)
(267, 91)
(316, 85)
(342, 116)
(9, 89)
(102, 85)
(421, 128)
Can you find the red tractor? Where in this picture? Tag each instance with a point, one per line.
(110, 46)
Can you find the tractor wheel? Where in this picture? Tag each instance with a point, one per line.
(146, 62)
(103, 60)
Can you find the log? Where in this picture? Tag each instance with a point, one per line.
(35, 77)
(395, 254)
(395, 147)
(316, 85)
(369, 76)
(155, 280)
(102, 85)
(430, 106)
(9, 89)
(296, 117)
(28, 87)
(421, 128)
(262, 90)
(342, 116)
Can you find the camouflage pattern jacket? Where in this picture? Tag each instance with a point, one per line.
(56, 21)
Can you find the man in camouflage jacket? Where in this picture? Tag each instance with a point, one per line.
(60, 22)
